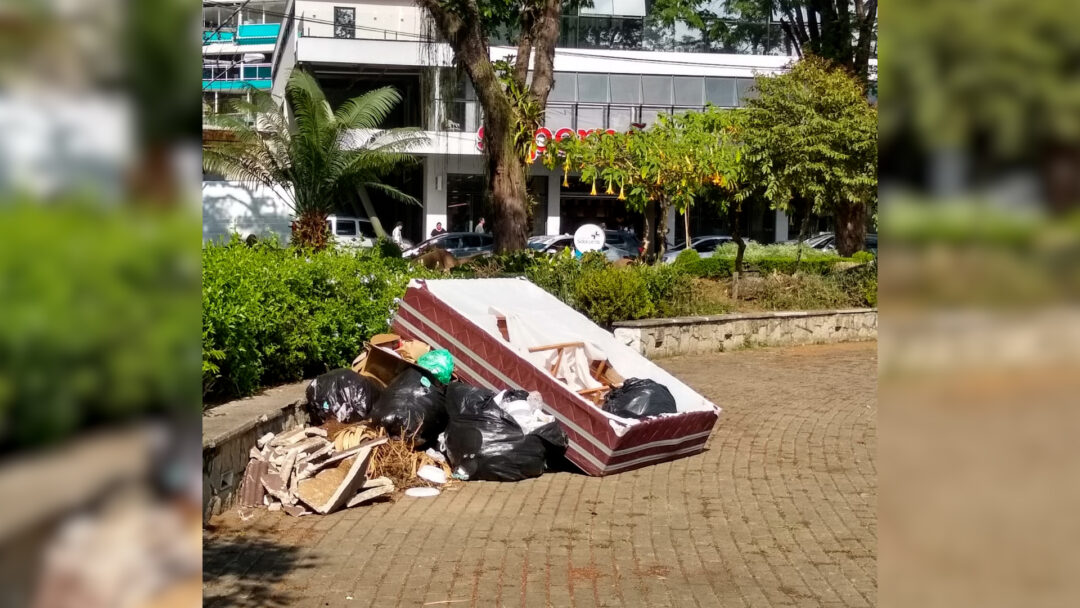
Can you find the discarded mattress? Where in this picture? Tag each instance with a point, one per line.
(488, 326)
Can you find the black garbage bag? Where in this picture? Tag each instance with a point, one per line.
(638, 398)
(483, 442)
(342, 394)
(413, 405)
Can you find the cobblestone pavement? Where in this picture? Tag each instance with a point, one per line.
(779, 511)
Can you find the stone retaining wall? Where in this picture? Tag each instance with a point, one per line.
(697, 335)
(231, 430)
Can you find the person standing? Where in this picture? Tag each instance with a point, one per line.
(396, 234)
(480, 226)
(438, 229)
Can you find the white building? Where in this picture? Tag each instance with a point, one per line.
(612, 69)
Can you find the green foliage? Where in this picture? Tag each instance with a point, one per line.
(283, 314)
(613, 294)
(794, 292)
(862, 257)
(667, 287)
(387, 248)
(811, 134)
(313, 160)
(686, 257)
(98, 317)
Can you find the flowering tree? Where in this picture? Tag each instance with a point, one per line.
(680, 159)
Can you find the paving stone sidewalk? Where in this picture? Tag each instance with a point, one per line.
(779, 511)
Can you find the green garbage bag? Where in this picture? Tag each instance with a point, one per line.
(439, 362)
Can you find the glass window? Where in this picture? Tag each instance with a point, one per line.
(590, 117)
(470, 240)
(746, 90)
(648, 115)
(656, 89)
(346, 227)
(564, 89)
(593, 87)
(625, 88)
(558, 116)
(720, 92)
(344, 22)
(449, 242)
(486, 239)
(619, 118)
(366, 229)
(689, 90)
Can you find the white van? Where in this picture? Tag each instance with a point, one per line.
(351, 231)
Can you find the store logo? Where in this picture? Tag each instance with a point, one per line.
(543, 135)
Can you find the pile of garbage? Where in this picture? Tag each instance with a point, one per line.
(398, 420)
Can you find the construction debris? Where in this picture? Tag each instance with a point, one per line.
(324, 469)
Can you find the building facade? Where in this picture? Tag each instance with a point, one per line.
(613, 68)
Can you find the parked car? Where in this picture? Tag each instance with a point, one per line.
(704, 245)
(351, 231)
(625, 241)
(826, 241)
(557, 242)
(457, 244)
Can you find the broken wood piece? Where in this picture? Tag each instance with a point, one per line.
(366, 495)
(317, 454)
(261, 442)
(287, 467)
(274, 506)
(536, 349)
(329, 490)
(255, 454)
(589, 391)
(314, 431)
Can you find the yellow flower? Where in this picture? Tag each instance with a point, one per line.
(622, 197)
(657, 179)
(609, 189)
(593, 188)
(565, 184)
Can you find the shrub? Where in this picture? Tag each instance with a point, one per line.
(794, 292)
(862, 257)
(686, 257)
(612, 294)
(273, 314)
(668, 288)
(98, 316)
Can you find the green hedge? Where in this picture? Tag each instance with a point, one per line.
(273, 314)
(764, 259)
(98, 316)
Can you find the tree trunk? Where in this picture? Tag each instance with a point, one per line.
(736, 235)
(506, 174)
(369, 209)
(850, 228)
(661, 229)
(310, 230)
(686, 225)
(461, 25)
(804, 232)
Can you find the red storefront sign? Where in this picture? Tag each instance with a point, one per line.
(543, 135)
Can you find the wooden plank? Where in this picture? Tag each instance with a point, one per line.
(536, 349)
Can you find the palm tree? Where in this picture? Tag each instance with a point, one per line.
(319, 157)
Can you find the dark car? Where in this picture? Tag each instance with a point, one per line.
(457, 244)
(623, 240)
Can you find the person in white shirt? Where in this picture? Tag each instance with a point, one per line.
(396, 234)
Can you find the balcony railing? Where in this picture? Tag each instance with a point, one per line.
(237, 76)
